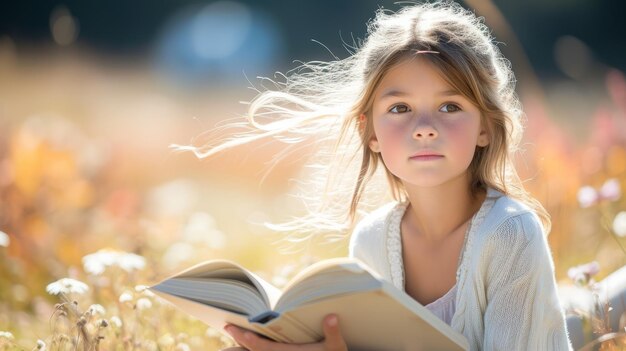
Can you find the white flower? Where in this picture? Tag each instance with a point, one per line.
(587, 196)
(130, 262)
(41, 345)
(619, 224)
(96, 309)
(181, 346)
(4, 239)
(166, 340)
(116, 321)
(101, 259)
(143, 289)
(6, 335)
(66, 286)
(97, 262)
(143, 304)
(126, 297)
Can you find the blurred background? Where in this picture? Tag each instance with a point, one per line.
(92, 93)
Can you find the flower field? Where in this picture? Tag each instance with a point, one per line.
(94, 206)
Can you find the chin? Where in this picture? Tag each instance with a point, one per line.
(430, 180)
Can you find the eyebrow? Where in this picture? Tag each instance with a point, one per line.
(399, 93)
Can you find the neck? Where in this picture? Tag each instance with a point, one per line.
(436, 212)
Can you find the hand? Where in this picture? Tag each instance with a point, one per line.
(333, 341)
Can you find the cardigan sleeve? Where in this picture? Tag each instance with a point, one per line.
(367, 242)
(364, 241)
(523, 310)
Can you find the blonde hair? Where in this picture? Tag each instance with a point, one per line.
(325, 100)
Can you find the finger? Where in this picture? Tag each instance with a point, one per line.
(253, 341)
(333, 340)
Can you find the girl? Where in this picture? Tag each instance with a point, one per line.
(432, 102)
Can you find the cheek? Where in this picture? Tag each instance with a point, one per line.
(387, 131)
(463, 138)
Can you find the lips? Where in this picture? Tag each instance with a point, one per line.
(426, 155)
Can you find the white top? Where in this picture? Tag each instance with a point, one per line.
(505, 296)
(445, 306)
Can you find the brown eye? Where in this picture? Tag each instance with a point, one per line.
(400, 109)
(448, 108)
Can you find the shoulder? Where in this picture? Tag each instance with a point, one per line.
(511, 222)
(511, 242)
(369, 232)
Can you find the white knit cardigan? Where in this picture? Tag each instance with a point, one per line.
(506, 291)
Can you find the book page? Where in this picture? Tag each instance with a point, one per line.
(227, 294)
(380, 319)
(223, 269)
(327, 278)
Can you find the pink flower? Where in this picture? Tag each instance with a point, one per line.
(581, 275)
(611, 190)
(589, 196)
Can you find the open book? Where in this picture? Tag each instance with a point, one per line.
(373, 314)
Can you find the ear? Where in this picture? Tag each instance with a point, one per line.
(483, 138)
(373, 145)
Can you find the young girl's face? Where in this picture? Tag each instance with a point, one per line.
(426, 132)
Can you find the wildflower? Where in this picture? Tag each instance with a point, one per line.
(66, 286)
(4, 239)
(144, 289)
(116, 321)
(581, 275)
(166, 340)
(619, 224)
(181, 346)
(97, 262)
(587, 196)
(610, 190)
(40, 345)
(6, 335)
(96, 309)
(144, 304)
(126, 297)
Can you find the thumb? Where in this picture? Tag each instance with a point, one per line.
(333, 341)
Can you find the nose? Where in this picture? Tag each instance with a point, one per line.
(425, 130)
